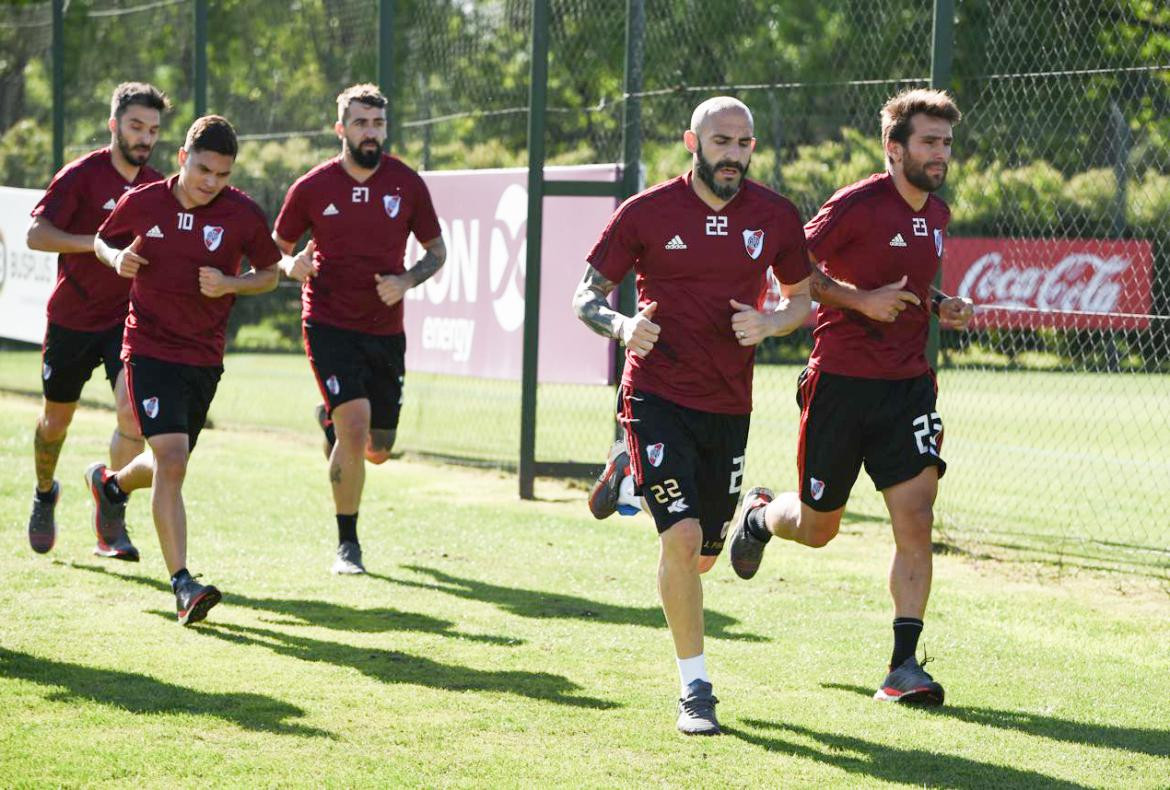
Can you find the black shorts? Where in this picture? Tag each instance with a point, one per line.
(687, 463)
(69, 357)
(891, 426)
(169, 397)
(351, 365)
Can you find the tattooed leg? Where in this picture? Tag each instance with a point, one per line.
(48, 439)
(347, 463)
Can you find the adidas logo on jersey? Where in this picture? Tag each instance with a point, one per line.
(330, 211)
(154, 233)
(109, 205)
(676, 243)
(897, 241)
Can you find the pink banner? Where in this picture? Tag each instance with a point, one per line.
(1063, 284)
(469, 318)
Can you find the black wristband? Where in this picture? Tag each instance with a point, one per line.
(936, 301)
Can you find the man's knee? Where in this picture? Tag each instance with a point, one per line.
(170, 461)
(819, 528)
(127, 423)
(914, 525)
(682, 541)
(706, 563)
(55, 420)
(381, 442)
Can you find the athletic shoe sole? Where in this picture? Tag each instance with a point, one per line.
(603, 498)
(928, 697)
(103, 550)
(200, 607)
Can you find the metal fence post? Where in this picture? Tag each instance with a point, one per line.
(58, 84)
(200, 58)
(386, 61)
(942, 50)
(631, 148)
(537, 101)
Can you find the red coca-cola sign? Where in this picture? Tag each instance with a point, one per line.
(1063, 284)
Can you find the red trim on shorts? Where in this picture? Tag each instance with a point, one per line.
(316, 375)
(128, 369)
(807, 388)
(626, 417)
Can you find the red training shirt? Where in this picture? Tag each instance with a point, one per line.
(361, 229)
(692, 260)
(89, 296)
(869, 236)
(169, 318)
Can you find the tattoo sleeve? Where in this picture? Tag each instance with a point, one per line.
(45, 455)
(825, 290)
(590, 303)
(426, 267)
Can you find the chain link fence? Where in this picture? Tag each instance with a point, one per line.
(1056, 410)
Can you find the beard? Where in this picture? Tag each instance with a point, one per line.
(367, 159)
(135, 155)
(706, 172)
(916, 174)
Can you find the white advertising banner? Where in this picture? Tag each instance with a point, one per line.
(26, 276)
(469, 318)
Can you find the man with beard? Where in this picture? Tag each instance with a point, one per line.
(360, 210)
(700, 245)
(868, 394)
(88, 305)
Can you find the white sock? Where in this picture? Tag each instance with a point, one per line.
(690, 670)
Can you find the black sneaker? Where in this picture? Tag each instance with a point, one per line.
(746, 549)
(109, 518)
(603, 499)
(349, 559)
(194, 600)
(910, 684)
(696, 710)
(326, 425)
(42, 523)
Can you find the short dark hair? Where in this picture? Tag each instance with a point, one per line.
(898, 111)
(366, 92)
(212, 133)
(142, 94)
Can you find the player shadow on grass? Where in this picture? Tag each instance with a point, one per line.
(142, 694)
(293, 611)
(889, 763)
(393, 666)
(1148, 740)
(539, 604)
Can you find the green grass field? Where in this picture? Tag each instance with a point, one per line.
(1068, 467)
(503, 643)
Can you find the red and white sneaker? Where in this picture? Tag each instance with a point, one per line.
(603, 499)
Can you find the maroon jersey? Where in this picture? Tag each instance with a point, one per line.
(169, 318)
(361, 229)
(869, 236)
(692, 260)
(89, 296)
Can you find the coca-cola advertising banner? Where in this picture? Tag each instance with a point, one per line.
(469, 318)
(1063, 284)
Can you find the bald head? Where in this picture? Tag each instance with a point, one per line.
(714, 106)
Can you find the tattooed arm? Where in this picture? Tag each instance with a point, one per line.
(881, 304)
(392, 287)
(428, 264)
(590, 303)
